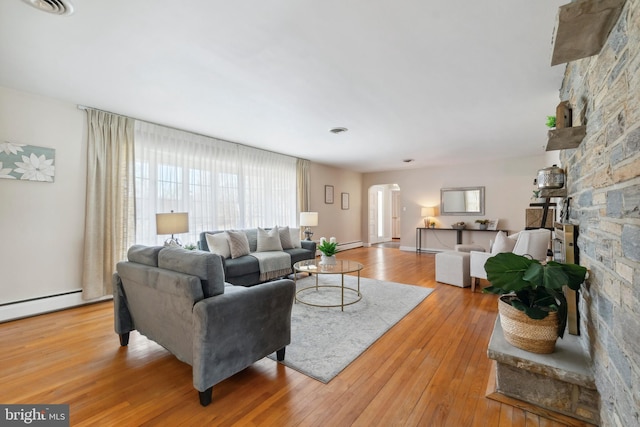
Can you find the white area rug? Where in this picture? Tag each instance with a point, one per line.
(324, 341)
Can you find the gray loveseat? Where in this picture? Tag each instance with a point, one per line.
(179, 299)
(245, 270)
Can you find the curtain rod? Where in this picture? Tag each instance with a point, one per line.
(84, 108)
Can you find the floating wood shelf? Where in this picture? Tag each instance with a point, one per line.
(560, 192)
(582, 28)
(565, 138)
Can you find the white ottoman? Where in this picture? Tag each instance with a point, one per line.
(468, 248)
(453, 268)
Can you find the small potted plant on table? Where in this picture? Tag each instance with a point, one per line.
(484, 223)
(532, 306)
(328, 248)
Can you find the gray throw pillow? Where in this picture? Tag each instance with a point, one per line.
(295, 237)
(269, 240)
(238, 244)
(285, 238)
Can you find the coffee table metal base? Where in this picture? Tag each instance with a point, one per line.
(341, 267)
(342, 304)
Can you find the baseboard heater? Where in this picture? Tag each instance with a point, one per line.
(349, 245)
(45, 304)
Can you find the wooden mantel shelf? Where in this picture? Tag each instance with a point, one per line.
(565, 138)
(582, 28)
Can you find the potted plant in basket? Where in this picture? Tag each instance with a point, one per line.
(532, 306)
(484, 223)
(328, 248)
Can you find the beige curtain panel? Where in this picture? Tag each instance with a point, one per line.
(302, 169)
(110, 217)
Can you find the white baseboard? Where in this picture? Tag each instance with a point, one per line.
(34, 307)
(350, 245)
(344, 246)
(425, 250)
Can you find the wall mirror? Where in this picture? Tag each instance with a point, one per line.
(462, 201)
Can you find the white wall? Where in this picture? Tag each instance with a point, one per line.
(508, 189)
(42, 224)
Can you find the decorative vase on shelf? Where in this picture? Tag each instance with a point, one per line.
(484, 226)
(328, 260)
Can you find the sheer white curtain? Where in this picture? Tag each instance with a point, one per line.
(220, 184)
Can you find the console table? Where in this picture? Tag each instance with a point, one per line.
(459, 231)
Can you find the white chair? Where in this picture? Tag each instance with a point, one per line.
(534, 243)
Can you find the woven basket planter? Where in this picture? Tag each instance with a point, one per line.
(536, 336)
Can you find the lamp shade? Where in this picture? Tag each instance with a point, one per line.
(428, 211)
(308, 219)
(172, 223)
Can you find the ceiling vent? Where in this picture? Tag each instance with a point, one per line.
(56, 7)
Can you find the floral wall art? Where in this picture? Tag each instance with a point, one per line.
(26, 162)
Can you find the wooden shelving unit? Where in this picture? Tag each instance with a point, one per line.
(582, 28)
(560, 192)
(565, 138)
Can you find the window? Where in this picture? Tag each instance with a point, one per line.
(220, 184)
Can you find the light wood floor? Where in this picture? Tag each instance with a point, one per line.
(431, 369)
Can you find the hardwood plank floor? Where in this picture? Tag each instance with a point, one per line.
(431, 369)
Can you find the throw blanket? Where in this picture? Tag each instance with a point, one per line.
(273, 264)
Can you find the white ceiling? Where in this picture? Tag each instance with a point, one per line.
(440, 82)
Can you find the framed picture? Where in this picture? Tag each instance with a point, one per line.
(493, 224)
(345, 201)
(328, 194)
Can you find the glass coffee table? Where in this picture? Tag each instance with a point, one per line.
(341, 267)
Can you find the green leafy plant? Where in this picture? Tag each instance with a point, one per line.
(328, 247)
(536, 194)
(536, 287)
(190, 247)
(482, 221)
(551, 121)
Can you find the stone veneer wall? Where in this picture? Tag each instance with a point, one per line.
(603, 179)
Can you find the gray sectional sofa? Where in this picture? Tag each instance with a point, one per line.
(244, 270)
(179, 299)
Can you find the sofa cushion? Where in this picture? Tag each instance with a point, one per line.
(295, 237)
(241, 266)
(268, 240)
(502, 244)
(238, 244)
(285, 238)
(147, 255)
(207, 266)
(219, 244)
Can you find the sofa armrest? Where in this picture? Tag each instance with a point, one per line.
(476, 264)
(236, 329)
(309, 245)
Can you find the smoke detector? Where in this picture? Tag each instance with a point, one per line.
(56, 7)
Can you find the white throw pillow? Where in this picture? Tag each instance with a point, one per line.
(238, 244)
(502, 244)
(269, 240)
(219, 244)
(295, 237)
(285, 238)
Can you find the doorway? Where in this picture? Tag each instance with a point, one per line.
(384, 213)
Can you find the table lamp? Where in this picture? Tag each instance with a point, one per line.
(308, 220)
(428, 212)
(172, 223)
